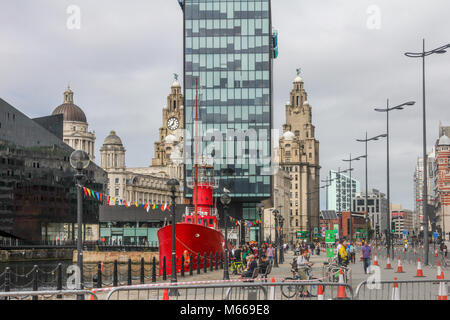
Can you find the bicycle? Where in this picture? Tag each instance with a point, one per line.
(237, 267)
(292, 290)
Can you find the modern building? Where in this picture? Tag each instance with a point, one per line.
(402, 220)
(75, 126)
(442, 185)
(228, 54)
(377, 207)
(299, 155)
(338, 196)
(38, 195)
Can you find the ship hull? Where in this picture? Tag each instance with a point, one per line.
(196, 239)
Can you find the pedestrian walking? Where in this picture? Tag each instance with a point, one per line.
(269, 253)
(366, 252)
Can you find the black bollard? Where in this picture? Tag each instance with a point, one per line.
(211, 266)
(154, 270)
(198, 263)
(182, 266)
(35, 280)
(115, 277)
(129, 273)
(216, 262)
(191, 265)
(164, 268)
(99, 275)
(205, 263)
(142, 271)
(221, 260)
(59, 279)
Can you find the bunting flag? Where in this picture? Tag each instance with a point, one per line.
(85, 191)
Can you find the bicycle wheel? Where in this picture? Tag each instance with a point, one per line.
(289, 291)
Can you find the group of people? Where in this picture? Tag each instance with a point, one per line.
(249, 254)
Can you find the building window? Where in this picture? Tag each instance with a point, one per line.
(117, 192)
(117, 180)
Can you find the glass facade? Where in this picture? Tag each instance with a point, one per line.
(228, 57)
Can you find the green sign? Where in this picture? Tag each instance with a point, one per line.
(302, 234)
(330, 252)
(330, 236)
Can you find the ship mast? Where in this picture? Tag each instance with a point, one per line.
(196, 152)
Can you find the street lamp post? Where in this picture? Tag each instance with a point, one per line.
(281, 221)
(422, 55)
(225, 199)
(79, 160)
(367, 184)
(275, 215)
(351, 190)
(387, 110)
(173, 185)
(260, 206)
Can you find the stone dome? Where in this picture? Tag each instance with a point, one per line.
(444, 141)
(69, 110)
(288, 136)
(176, 84)
(298, 79)
(112, 139)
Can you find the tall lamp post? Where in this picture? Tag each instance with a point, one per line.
(367, 184)
(351, 191)
(388, 226)
(422, 55)
(225, 199)
(281, 221)
(173, 186)
(275, 215)
(260, 206)
(79, 160)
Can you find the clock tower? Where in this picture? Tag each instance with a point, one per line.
(171, 132)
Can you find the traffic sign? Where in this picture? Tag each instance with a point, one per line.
(330, 252)
(435, 235)
(330, 236)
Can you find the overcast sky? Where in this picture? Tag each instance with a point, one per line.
(120, 64)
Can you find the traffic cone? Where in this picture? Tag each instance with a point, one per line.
(92, 296)
(320, 293)
(388, 263)
(440, 273)
(375, 260)
(166, 294)
(436, 252)
(399, 266)
(341, 292)
(395, 291)
(442, 295)
(419, 269)
(272, 290)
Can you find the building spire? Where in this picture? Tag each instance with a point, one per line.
(68, 95)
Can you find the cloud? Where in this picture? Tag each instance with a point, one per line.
(120, 65)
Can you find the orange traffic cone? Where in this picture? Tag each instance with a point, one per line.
(436, 252)
(442, 295)
(419, 269)
(320, 293)
(440, 273)
(375, 260)
(92, 295)
(388, 263)
(341, 292)
(395, 291)
(399, 266)
(272, 290)
(166, 294)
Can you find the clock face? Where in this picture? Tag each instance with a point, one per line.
(173, 123)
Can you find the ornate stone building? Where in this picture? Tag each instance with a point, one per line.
(149, 184)
(75, 127)
(299, 155)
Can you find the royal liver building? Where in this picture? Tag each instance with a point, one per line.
(299, 155)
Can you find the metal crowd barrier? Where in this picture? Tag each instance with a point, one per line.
(47, 295)
(291, 290)
(400, 290)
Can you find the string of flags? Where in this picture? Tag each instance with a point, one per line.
(245, 222)
(119, 202)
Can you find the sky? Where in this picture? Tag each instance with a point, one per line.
(120, 64)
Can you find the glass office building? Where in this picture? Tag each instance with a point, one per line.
(228, 52)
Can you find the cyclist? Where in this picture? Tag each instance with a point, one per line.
(302, 268)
